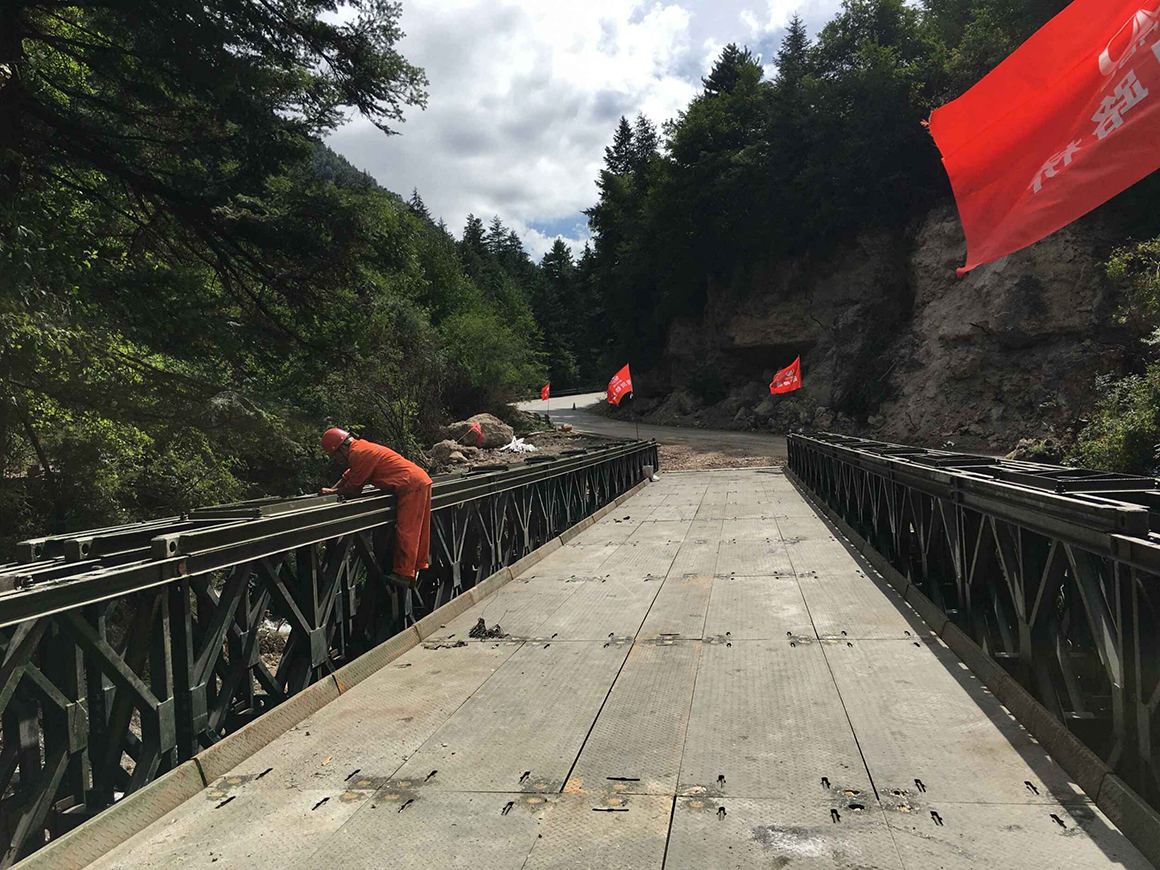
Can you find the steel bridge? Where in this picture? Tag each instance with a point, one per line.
(877, 657)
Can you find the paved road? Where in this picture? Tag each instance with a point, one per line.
(584, 420)
(705, 679)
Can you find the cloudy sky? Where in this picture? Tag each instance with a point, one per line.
(525, 94)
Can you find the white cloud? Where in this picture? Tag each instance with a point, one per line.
(525, 95)
(777, 16)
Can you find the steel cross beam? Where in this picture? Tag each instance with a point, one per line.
(125, 651)
(1054, 572)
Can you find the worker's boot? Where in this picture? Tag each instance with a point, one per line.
(405, 582)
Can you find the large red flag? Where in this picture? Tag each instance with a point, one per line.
(545, 391)
(1061, 126)
(788, 379)
(620, 384)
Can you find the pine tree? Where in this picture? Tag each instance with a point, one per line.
(644, 143)
(619, 156)
(792, 57)
(728, 70)
(418, 207)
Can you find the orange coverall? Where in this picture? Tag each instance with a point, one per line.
(382, 467)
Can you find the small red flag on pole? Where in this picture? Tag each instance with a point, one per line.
(545, 391)
(1061, 126)
(788, 379)
(620, 384)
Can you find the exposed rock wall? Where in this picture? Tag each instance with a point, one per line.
(893, 344)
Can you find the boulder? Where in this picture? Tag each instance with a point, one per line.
(765, 408)
(823, 418)
(447, 451)
(496, 433)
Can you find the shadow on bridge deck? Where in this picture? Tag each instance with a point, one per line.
(706, 678)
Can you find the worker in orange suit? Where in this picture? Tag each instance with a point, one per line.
(382, 467)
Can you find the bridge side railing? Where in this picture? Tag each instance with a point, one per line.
(126, 651)
(1054, 572)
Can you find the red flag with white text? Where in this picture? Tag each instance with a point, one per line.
(788, 379)
(620, 385)
(1065, 123)
(545, 392)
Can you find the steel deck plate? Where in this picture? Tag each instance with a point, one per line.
(530, 718)
(851, 604)
(635, 746)
(519, 608)
(795, 833)
(1007, 837)
(447, 830)
(258, 827)
(686, 512)
(582, 831)
(757, 608)
(635, 561)
(921, 715)
(804, 528)
(753, 557)
(821, 556)
(661, 532)
(372, 728)
(572, 562)
(600, 610)
(767, 717)
(679, 608)
(696, 556)
(753, 527)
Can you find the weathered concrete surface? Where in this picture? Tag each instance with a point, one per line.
(705, 677)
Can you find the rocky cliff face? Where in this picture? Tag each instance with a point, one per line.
(894, 345)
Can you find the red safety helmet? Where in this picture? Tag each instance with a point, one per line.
(332, 439)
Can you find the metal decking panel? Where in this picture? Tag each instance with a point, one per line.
(851, 604)
(796, 833)
(679, 608)
(757, 608)
(753, 557)
(804, 528)
(581, 831)
(636, 561)
(635, 746)
(820, 555)
(266, 827)
(1007, 837)
(767, 717)
(921, 715)
(445, 830)
(373, 727)
(572, 562)
(661, 532)
(600, 610)
(530, 718)
(752, 527)
(518, 608)
(697, 556)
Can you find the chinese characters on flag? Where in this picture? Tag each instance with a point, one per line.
(620, 384)
(1061, 126)
(545, 391)
(788, 379)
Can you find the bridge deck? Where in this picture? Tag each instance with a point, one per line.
(705, 679)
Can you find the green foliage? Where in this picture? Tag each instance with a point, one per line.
(192, 286)
(1124, 433)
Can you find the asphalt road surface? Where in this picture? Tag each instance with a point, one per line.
(583, 419)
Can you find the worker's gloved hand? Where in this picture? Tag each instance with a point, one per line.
(328, 490)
